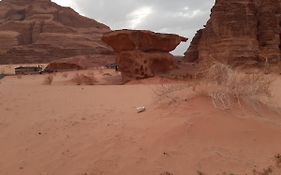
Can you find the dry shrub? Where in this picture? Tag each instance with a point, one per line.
(172, 93)
(107, 74)
(81, 79)
(231, 86)
(224, 85)
(266, 171)
(90, 74)
(65, 75)
(278, 160)
(200, 173)
(166, 173)
(2, 75)
(101, 71)
(49, 80)
(19, 76)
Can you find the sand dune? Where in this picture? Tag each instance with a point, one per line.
(95, 130)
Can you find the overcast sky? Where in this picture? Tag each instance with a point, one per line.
(183, 17)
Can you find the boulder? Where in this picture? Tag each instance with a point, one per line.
(40, 31)
(240, 32)
(143, 54)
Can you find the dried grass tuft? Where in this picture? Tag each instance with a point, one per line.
(231, 86)
(19, 76)
(80, 79)
(224, 85)
(65, 75)
(49, 80)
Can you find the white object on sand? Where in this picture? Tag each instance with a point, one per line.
(140, 109)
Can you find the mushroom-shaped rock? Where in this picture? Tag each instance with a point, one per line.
(141, 53)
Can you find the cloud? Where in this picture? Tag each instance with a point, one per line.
(183, 17)
(138, 16)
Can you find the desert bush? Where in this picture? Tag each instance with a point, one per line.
(172, 93)
(224, 85)
(200, 173)
(49, 80)
(65, 75)
(107, 74)
(80, 79)
(266, 171)
(19, 76)
(101, 70)
(278, 160)
(231, 86)
(166, 173)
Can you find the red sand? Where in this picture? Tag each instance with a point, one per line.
(95, 130)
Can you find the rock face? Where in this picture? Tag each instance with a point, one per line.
(34, 31)
(240, 32)
(142, 54)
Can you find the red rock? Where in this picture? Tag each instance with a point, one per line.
(62, 66)
(240, 32)
(126, 40)
(80, 62)
(35, 31)
(138, 64)
(143, 54)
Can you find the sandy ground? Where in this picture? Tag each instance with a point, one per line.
(64, 129)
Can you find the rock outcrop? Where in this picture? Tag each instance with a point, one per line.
(143, 54)
(240, 32)
(80, 62)
(36, 31)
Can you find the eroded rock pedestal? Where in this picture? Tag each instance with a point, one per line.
(34, 31)
(143, 54)
(240, 32)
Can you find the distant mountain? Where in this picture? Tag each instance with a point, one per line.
(37, 31)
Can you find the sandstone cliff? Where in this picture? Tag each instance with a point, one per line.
(240, 32)
(33, 31)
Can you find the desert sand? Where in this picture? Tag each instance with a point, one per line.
(64, 128)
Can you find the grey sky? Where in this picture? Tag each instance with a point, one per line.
(183, 17)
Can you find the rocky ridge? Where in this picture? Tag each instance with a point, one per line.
(36, 31)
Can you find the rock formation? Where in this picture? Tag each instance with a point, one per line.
(35, 31)
(80, 62)
(240, 32)
(143, 54)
